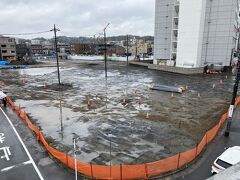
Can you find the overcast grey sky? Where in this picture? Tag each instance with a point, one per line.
(78, 17)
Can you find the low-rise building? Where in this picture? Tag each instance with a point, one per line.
(83, 49)
(64, 47)
(22, 50)
(139, 48)
(116, 50)
(7, 48)
(36, 49)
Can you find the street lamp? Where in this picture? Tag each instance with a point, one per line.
(75, 156)
(105, 48)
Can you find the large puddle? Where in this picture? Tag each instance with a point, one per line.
(110, 116)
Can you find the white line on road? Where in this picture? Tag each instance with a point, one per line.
(15, 166)
(25, 148)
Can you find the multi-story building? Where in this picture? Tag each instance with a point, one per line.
(140, 47)
(116, 50)
(195, 33)
(36, 49)
(84, 48)
(7, 48)
(64, 48)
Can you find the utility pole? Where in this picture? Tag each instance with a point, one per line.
(105, 52)
(235, 89)
(127, 50)
(56, 49)
(105, 49)
(231, 108)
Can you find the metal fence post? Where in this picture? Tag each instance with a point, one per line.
(178, 160)
(146, 171)
(91, 171)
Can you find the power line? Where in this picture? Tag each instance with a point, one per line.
(24, 34)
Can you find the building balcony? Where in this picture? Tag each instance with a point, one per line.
(174, 45)
(175, 21)
(175, 32)
(176, 7)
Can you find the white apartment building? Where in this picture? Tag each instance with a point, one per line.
(195, 33)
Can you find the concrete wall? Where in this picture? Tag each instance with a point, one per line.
(190, 33)
(163, 28)
(170, 69)
(178, 70)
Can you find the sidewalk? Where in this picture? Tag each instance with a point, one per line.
(22, 165)
(201, 168)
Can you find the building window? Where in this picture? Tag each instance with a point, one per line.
(4, 51)
(9, 40)
(12, 46)
(3, 45)
(12, 51)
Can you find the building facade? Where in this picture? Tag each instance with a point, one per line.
(140, 47)
(84, 48)
(7, 48)
(194, 34)
(36, 49)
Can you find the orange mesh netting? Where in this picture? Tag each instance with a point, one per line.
(140, 171)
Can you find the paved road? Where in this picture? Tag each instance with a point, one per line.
(15, 159)
(201, 169)
(20, 165)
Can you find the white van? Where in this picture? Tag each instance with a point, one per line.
(228, 158)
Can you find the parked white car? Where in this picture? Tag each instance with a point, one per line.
(228, 158)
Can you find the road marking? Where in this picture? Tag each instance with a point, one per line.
(25, 148)
(7, 153)
(15, 166)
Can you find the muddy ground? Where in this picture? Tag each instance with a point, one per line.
(111, 115)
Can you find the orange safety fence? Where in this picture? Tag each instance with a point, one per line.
(163, 166)
(140, 171)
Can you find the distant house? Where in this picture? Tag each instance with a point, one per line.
(22, 50)
(7, 48)
(64, 48)
(36, 49)
(84, 48)
(116, 50)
